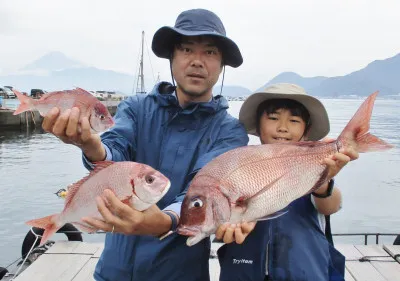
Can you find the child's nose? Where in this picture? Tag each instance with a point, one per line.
(282, 127)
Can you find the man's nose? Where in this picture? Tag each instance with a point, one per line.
(197, 60)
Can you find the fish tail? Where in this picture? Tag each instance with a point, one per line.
(356, 134)
(49, 224)
(25, 103)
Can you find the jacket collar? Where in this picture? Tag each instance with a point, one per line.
(163, 93)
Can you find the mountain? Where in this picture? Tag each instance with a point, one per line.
(291, 77)
(89, 78)
(55, 71)
(379, 75)
(53, 61)
(231, 91)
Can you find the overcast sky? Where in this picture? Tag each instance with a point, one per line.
(310, 37)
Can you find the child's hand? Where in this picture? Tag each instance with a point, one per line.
(234, 232)
(338, 160)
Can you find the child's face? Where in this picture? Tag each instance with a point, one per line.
(281, 126)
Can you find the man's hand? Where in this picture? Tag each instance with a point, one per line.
(72, 129)
(234, 232)
(338, 160)
(119, 217)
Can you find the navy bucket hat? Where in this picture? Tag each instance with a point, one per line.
(196, 22)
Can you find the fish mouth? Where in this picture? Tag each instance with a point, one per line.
(111, 123)
(188, 230)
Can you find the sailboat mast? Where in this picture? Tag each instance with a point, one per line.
(141, 66)
(140, 80)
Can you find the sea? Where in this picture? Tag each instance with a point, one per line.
(34, 165)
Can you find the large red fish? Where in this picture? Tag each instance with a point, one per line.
(256, 182)
(135, 184)
(100, 118)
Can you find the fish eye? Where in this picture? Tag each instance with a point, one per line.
(102, 117)
(196, 203)
(149, 179)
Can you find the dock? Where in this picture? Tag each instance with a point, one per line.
(33, 119)
(75, 261)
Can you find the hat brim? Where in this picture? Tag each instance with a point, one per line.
(166, 36)
(319, 117)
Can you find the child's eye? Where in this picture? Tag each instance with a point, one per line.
(295, 121)
(272, 118)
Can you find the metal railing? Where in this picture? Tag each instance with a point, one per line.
(366, 235)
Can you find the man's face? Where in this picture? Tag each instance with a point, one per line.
(196, 66)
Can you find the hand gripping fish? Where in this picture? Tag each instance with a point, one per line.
(257, 182)
(99, 117)
(135, 184)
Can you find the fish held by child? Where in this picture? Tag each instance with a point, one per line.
(135, 184)
(99, 117)
(257, 182)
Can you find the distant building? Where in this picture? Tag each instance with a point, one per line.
(109, 95)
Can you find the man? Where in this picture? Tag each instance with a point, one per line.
(175, 133)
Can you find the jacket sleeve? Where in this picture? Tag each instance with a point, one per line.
(120, 141)
(232, 135)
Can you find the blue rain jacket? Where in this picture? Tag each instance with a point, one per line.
(297, 250)
(153, 129)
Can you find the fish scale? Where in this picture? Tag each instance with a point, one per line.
(137, 185)
(257, 182)
(89, 106)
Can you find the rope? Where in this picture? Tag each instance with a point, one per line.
(148, 54)
(27, 255)
(12, 263)
(222, 84)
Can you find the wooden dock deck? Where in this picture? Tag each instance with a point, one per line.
(75, 261)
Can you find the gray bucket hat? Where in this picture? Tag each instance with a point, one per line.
(196, 22)
(318, 115)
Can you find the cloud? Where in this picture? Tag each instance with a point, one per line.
(310, 37)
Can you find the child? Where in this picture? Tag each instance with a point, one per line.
(292, 246)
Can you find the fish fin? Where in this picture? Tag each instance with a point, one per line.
(322, 179)
(73, 188)
(356, 135)
(84, 228)
(274, 215)
(49, 224)
(80, 90)
(239, 207)
(25, 103)
(100, 165)
(265, 188)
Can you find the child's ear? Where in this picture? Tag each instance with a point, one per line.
(305, 136)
